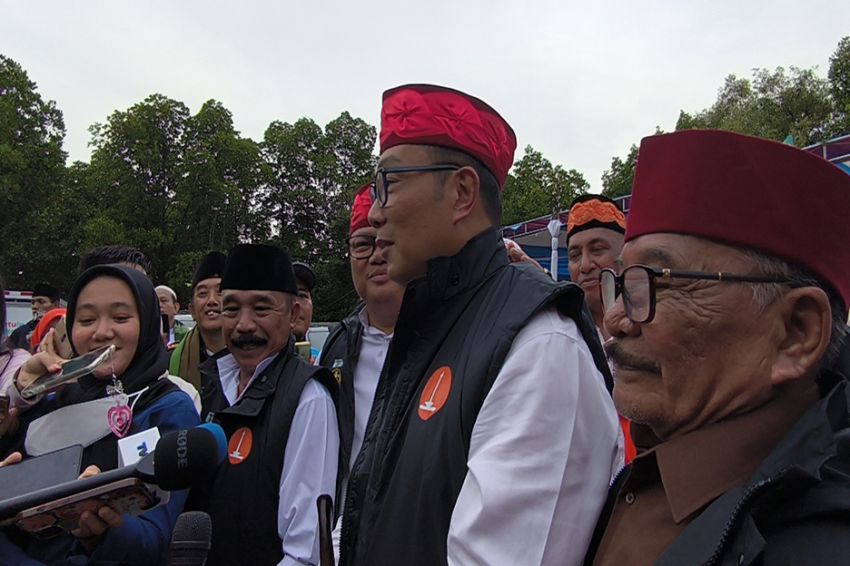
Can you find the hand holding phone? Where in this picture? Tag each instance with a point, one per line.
(46, 361)
(66, 370)
(129, 496)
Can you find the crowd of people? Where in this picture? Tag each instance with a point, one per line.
(683, 400)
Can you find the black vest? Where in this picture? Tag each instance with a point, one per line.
(464, 316)
(340, 354)
(243, 498)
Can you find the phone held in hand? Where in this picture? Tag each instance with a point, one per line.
(71, 370)
(128, 496)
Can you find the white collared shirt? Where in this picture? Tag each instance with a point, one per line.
(374, 344)
(309, 464)
(543, 449)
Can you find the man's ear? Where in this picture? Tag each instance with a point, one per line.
(294, 311)
(467, 192)
(191, 308)
(807, 320)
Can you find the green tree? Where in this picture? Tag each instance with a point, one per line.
(313, 174)
(773, 105)
(617, 181)
(535, 188)
(839, 86)
(136, 166)
(32, 172)
(174, 185)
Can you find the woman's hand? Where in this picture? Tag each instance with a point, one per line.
(92, 527)
(13, 458)
(46, 360)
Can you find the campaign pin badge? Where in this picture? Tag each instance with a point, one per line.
(239, 446)
(133, 448)
(337, 373)
(436, 393)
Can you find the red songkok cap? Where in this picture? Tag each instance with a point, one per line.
(360, 209)
(748, 192)
(435, 115)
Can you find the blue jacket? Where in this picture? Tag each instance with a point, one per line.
(139, 540)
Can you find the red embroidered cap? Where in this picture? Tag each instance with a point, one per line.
(748, 192)
(435, 115)
(360, 208)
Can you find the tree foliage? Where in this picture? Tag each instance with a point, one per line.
(617, 181)
(535, 188)
(772, 104)
(32, 173)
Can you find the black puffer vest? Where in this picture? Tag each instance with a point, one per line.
(244, 495)
(454, 331)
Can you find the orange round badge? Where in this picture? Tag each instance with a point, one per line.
(436, 393)
(240, 445)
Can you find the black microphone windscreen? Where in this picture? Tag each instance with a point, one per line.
(190, 540)
(183, 457)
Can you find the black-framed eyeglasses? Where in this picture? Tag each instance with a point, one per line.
(381, 185)
(361, 247)
(637, 285)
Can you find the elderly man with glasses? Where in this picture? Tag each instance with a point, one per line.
(727, 315)
(492, 437)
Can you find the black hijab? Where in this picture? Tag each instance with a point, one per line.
(151, 358)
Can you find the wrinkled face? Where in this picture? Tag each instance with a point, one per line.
(107, 314)
(42, 304)
(305, 317)
(256, 324)
(590, 251)
(414, 224)
(708, 351)
(370, 276)
(167, 305)
(205, 306)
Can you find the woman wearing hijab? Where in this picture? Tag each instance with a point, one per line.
(108, 305)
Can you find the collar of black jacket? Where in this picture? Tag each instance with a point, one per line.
(449, 276)
(797, 462)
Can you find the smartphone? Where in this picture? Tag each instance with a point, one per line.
(129, 495)
(71, 370)
(303, 350)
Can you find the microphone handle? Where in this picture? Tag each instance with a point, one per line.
(325, 505)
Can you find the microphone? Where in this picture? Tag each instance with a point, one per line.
(181, 459)
(191, 539)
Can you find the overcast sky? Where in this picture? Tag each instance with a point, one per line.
(578, 81)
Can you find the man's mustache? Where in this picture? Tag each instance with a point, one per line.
(247, 340)
(623, 358)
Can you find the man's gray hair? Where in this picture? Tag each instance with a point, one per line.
(764, 294)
